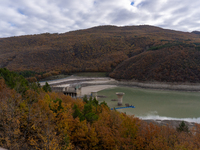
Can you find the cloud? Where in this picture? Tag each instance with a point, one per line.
(24, 17)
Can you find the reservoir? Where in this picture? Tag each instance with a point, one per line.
(156, 104)
(149, 103)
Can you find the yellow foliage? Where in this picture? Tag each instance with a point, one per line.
(31, 122)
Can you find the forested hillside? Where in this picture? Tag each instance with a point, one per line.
(130, 52)
(33, 118)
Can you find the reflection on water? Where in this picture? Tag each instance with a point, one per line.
(155, 104)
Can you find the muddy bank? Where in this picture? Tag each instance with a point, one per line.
(95, 88)
(160, 85)
(79, 80)
(153, 85)
(172, 123)
(89, 81)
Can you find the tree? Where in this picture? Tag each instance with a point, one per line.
(46, 87)
(85, 99)
(14, 81)
(182, 127)
(10, 134)
(77, 113)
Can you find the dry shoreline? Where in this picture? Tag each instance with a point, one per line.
(88, 81)
(162, 85)
(171, 123)
(154, 85)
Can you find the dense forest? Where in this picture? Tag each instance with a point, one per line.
(131, 52)
(32, 118)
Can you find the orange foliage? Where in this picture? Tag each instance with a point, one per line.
(135, 52)
(37, 121)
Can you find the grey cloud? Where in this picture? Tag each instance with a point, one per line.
(38, 16)
(121, 16)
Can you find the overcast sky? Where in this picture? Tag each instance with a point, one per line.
(22, 17)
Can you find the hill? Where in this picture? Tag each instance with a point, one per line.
(130, 52)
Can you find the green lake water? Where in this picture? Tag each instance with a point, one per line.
(156, 103)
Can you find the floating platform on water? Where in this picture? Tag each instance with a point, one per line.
(123, 107)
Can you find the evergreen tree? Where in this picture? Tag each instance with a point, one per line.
(182, 127)
(77, 113)
(85, 99)
(46, 87)
(14, 81)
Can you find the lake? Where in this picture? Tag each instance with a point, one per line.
(156, 104)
